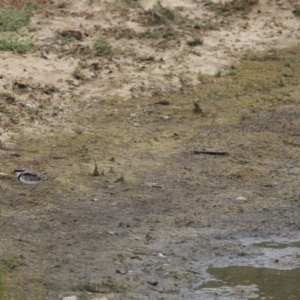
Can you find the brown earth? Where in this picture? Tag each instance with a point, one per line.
(171, 81)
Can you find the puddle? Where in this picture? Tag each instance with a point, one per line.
(275, 245)
(271, 270)
(239, 282)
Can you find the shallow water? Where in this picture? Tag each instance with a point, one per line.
(254, 281)
(263, 283)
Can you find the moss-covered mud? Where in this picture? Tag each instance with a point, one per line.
(146, 227)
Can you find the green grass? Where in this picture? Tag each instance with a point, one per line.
(218, 74)
(281, 83)
(12, 18)
(102, 46)
(296, 12)
(12, 43)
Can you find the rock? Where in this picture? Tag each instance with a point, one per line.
(154, 283)
(241, 199)
(290, 164)
(72, 33)
(70, 298)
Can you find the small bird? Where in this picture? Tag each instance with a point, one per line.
(29, 177)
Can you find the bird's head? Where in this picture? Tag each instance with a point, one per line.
(18, 171)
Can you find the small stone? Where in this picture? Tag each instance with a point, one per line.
(70, 298)
(241, 199)
(29, 105)
(290, 164)
(161, 255)
(154, 283)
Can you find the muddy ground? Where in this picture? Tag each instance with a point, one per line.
(160, 210)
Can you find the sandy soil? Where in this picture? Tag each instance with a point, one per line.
(159, 212)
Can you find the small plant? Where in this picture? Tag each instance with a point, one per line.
(102, 46)
(218, 74)
(201, 77)
(169, 32)
(156, 92)
(296, 12)
(12, 43)
(231, 73)
(4, 109)
(197, 53)
(121, 178)
(63, 39)
(281, 83)
(160, 15)
(96, 171)
(78, 130)
(77, 74)
(197, 109)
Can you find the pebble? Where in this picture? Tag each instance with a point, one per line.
(241, 198)
(70, 298)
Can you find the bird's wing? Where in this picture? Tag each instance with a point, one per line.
(31, 176)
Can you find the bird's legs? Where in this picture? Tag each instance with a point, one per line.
(33, 189)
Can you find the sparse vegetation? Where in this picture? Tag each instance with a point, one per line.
(201, 77)
(218, 74)
(281, 83)
(77, 74)
(12, 43)
(21, 3)
(102, 46)
(121, 178)
(231, 73)
(231, 7)
(12, 18)
(197, 109)
(127, 4)
(78, 130)
(197, 53)
(159, 15)
(296, 12)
